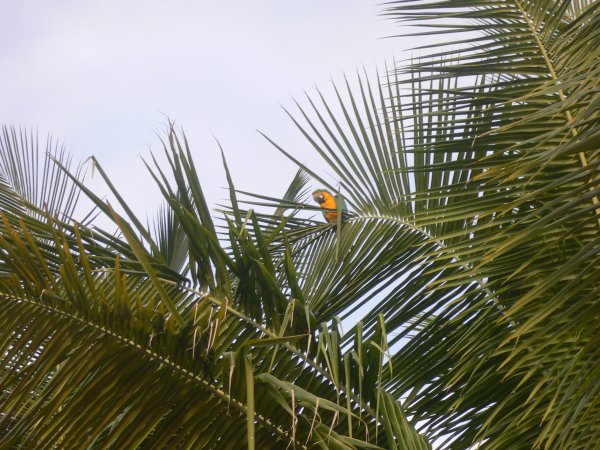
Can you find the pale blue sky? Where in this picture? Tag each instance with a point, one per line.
(102, 76)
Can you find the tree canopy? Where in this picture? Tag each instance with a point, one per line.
(456, 305)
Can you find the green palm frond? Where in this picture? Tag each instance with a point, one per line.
(28, 176)
(541, 261)
(487, 156)
(390, 257)
(170, 239)
(107, 357)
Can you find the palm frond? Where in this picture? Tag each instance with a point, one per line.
(474, 152)
(115, 358)
(28, 175)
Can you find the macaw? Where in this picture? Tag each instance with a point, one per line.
(329, 203)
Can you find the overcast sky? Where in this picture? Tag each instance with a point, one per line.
(102, 76)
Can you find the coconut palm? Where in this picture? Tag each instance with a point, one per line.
(465, 274)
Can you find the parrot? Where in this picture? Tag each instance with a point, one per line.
(329, 203)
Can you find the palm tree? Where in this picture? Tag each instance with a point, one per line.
(474, 174)
(176, 335)
(470, 260)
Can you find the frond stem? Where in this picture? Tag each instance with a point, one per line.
(162, 360)
(442, 245)
(550, 66)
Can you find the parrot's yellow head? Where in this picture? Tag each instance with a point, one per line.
(318, 196)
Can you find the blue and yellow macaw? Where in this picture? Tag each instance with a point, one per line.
(329, 203)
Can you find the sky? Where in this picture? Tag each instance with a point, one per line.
(104, 76)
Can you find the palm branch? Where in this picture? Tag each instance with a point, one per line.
(472, 174)
(121, 352)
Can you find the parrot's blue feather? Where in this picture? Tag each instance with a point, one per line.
(344, 206)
